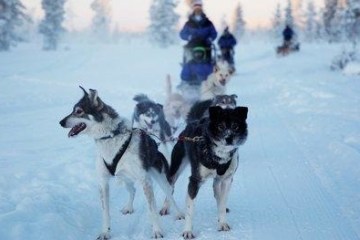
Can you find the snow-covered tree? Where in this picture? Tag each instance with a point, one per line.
(277, 22)
(289, 18)
(328, 16)
(101, 22)
(352, 21)
(311, 23)
(163, 22)
(238, 23)
(12, 17)
(338, 24)
(51, 25)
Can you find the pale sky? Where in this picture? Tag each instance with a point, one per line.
(132, 15)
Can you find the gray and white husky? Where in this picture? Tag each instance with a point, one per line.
(131, 155)
(200, 109)
(213, 155)
(149, 116)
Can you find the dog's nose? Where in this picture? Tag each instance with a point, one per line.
(62, 122)
(152, 121)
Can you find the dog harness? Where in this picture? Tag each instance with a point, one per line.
(113, 133)
(112, 167)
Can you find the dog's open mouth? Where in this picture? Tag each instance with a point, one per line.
(223, 82)
(76, 129)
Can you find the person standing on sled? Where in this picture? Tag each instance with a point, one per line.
(199, 31)
(288, 34)
(226, 44)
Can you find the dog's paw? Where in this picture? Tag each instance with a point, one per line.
(224, 227)
(188, 235)
(164, 211)
(157, 234)
(104, 236)
(127, 210)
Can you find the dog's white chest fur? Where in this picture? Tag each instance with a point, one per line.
(209, 89)
(223, 152)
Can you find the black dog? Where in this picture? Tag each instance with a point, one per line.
(211, 146)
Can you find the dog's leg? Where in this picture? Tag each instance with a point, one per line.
(178, 164)
(193, 189)
(149, 194)
(223, 189)
(104, 197)
(217, 192)
(129, 208)
(168, 190)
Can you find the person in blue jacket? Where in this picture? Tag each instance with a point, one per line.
(197, 69)
(198, 30)
(226, 44)
(288, 34)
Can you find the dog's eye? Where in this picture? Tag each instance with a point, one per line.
(221, 127)
(79, 111)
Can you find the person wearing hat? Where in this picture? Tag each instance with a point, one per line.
(226, 44)
(197, 69)
(198, 30)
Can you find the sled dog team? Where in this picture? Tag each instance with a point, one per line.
(210, 133)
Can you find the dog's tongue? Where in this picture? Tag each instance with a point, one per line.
(76, 129)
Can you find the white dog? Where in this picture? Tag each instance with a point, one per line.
(176, 108)
(216, 82)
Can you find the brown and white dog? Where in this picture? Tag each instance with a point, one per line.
(216, 82)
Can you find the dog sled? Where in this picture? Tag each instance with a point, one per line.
(287, 48)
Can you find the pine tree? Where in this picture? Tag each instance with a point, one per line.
(102, 19)
(51, 25)
(328, 16)
(163, 21)
(337, 23)
(289, 18)
(352, 21)
(277, 24)
(238, 23)
(311, 24)
(12, 17)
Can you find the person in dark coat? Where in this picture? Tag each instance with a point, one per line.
(197, 69)
(198, 30)
(288, 34)
(226, 44)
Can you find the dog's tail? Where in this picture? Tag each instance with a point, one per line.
(168, 85)
(198, 111)
(141, 98)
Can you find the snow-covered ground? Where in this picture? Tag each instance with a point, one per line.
(299, 174)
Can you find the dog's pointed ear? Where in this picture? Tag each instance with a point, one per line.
(241, 112)
(95, 100)
(85, 93)
(215, 112)
(216, 68)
